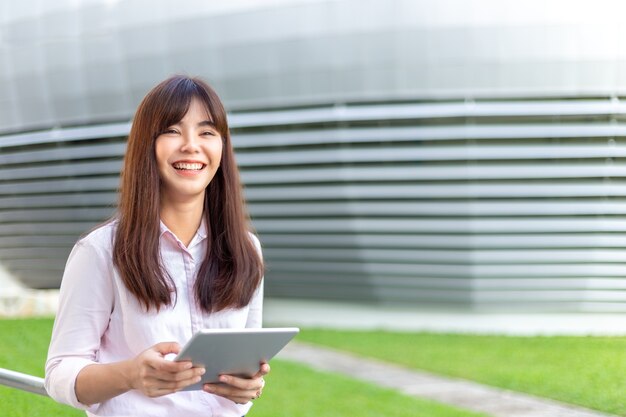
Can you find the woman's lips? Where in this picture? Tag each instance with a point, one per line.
(188, 168)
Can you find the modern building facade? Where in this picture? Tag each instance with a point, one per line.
(435, 153)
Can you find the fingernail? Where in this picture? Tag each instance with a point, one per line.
(188, 365)
(202, 371)
(208, 388)
(224, 378)
(197, 379)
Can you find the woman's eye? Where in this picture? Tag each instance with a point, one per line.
(209, 133)
(169, 131)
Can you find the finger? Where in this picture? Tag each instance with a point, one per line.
(179, 385)
(158, 392)
(255, 382)
(230, 391)
(162, 367)
(157, 362)
(155, 387)
(178, 376)
(173, 386)
(263, 370)
(166, 347)
(190, 374)
(241, 383)
(239, 397)
(176, 372)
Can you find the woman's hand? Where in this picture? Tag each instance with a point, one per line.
(240, 390)
(155, 376)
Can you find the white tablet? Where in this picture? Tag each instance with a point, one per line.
(233, 351)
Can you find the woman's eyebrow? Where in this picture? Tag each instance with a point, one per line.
(200, 124)
(206, 123)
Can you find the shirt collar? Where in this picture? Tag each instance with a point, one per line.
(202, 230)
(201, 233)
(163, 228)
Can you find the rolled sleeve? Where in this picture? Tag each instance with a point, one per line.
(85, 305)
(60, 380)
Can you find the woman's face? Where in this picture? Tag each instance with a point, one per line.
(188, 155)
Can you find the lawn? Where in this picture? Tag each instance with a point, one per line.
(589, 371)
(292, 390)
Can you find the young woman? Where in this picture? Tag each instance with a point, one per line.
(178, 257)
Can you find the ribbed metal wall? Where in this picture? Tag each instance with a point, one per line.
(501, 204)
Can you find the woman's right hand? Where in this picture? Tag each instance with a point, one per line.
(155, 376)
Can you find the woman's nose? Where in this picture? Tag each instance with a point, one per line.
(190, 143)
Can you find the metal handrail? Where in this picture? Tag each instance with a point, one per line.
(22, 381)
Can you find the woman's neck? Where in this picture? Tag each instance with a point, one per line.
(183, 219)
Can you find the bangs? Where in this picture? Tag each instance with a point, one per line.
(177, 95)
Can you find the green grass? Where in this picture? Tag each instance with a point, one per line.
(23, 348)
(295, 390)
(292, 389)
(588, 371)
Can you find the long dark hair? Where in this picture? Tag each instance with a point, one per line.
(232, 269)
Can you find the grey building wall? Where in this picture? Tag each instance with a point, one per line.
(427, 152)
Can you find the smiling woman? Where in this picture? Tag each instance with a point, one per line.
(188, 155)
(178, 257)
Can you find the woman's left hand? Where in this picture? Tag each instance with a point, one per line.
(240, 390)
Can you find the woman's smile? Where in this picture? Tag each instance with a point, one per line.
(189, 168)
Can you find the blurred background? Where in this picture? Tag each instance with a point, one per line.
(440, 154)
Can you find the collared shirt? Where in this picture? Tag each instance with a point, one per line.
(100, 321)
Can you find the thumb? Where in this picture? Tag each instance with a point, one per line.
(166, 347)
(263, 370)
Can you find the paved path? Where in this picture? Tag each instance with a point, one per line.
(460, 393)
(343, 315)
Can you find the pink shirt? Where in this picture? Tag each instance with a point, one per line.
(99, 321)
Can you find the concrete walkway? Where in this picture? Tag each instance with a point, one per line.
(344, 315)
(459, 393)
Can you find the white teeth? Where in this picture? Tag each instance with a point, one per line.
(182, 165)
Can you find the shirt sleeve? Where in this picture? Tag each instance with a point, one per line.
(255, 310)
(85, 305)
